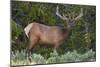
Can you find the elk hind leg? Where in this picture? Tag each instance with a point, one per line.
(31, 44)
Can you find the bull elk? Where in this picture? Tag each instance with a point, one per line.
(54, 35)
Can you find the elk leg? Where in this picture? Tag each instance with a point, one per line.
(55, 48)
(31, 44)
(28, 51)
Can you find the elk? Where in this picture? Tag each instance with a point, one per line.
(54, 35)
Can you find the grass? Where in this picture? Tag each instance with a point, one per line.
(18, 58)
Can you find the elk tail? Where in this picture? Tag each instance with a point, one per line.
(27, 29)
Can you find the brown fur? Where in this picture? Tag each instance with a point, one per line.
(40, 33)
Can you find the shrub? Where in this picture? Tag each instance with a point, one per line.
(18, 58)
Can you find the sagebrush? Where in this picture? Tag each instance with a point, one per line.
(18, 58)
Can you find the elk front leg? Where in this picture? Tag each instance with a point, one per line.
(56, 47)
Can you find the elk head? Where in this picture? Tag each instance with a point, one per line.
(69, 21)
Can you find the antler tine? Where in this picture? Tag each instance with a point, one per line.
(59, 15)
(80, 15)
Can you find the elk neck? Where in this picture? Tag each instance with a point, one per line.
(66, 26)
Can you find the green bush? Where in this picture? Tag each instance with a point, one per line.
(16, 30)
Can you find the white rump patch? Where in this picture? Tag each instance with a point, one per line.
(27, 29)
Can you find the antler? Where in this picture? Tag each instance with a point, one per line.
(59, 15)
(80, 15)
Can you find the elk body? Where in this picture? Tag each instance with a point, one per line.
(54, 35)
